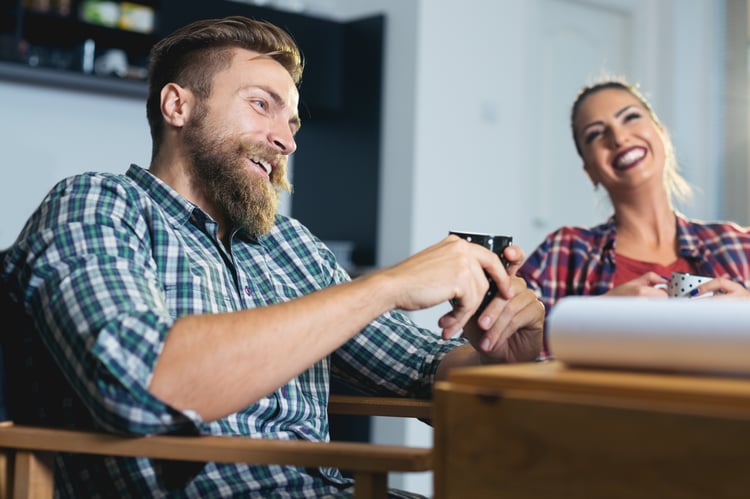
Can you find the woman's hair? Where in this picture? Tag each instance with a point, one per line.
(194, 53)
(676, 185)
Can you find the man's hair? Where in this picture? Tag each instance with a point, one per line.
(193, 54)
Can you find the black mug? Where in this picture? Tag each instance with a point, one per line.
(497, 245)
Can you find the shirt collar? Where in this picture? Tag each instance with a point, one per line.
(178, 208)
(689, 241)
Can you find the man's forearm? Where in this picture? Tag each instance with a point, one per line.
(464, 355)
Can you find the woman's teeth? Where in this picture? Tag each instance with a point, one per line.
(629, 158)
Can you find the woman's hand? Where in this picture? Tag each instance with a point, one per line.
(649, 284)
(722, 288)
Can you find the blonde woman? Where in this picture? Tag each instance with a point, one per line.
(627, 151)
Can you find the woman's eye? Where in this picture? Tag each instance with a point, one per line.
(589, 138)
(632, 116)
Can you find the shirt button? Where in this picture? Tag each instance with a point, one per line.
(248, 292)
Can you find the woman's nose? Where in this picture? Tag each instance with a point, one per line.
(617, 136)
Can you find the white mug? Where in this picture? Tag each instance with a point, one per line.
(681, 284)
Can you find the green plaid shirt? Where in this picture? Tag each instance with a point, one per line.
(107, 264)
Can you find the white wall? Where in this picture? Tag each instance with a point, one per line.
(48, 134)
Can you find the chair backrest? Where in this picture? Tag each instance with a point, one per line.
(4, 316)
(4, 412)
(39, 393)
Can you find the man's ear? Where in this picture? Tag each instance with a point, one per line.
(176, 104)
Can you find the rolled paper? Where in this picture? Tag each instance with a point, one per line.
(701, 336)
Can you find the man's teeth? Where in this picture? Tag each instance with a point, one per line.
(630, 157)
(264, 164)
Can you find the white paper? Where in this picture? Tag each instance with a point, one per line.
(674, 334)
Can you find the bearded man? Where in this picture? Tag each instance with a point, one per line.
(175, 299)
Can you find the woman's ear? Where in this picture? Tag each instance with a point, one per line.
(593, 180)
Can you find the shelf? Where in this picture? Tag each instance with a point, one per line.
(50, 49)
(18, 72)
(52, 30)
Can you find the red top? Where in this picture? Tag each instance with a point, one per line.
(628, 269)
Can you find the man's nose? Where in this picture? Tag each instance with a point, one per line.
(282, 138)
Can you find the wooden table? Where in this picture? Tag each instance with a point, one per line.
(543, 430)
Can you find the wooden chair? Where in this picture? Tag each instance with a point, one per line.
(27, 452)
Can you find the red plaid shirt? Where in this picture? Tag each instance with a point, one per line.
(581, 261)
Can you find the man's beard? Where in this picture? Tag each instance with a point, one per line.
(220, 172)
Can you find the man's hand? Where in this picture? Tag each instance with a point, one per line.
(510, 328)
(453, 269)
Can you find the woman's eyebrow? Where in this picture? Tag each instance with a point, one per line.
(600, 122)
(624, 109)
(593, 123)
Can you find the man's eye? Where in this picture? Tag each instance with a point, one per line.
(260, 104)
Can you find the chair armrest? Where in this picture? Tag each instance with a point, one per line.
(380, 406)
(353, 456)
(27, 454)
